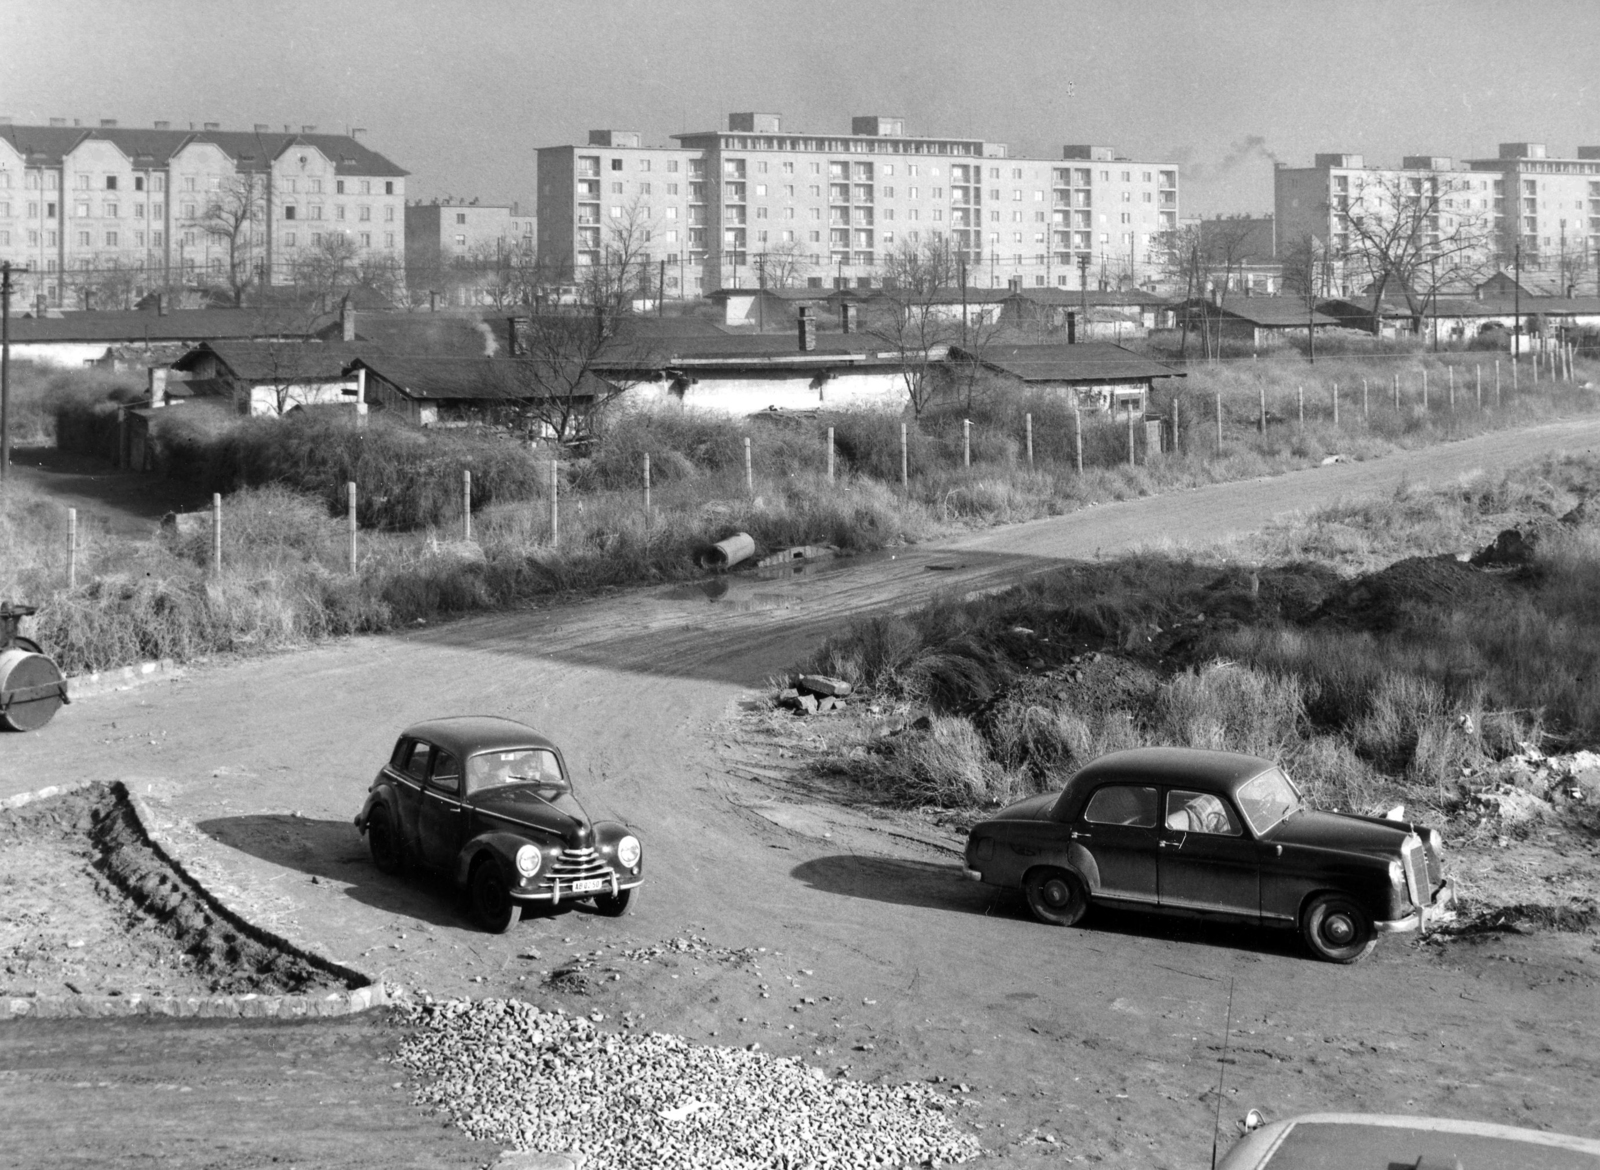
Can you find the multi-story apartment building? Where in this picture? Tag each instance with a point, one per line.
(756, 202)
(79, 202)
(1479, 212)
(467, 251)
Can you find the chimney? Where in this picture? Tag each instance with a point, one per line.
(212, 125)
(108, 123)
(433, 301)
(847, 312)
(58, 121)
(308, 128)
(261, 127)
(347, 320)
(158, 385)
(808, 329)
(357, 132)
(1072, 327)
(163, 125)
(517, 336)
(40, 305)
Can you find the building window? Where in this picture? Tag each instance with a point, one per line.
(288, 239)
(616, 188)
(338, 186)
(82, 210)
(111, 211)
(388, 239)
(461, 241)
(83, 239)
(338, 211)
(111, 239)
(616, 164)
(316, 211)
(388, 214)
(366, 239)
(366, 213)
(388, 187)
(288, 211)
(83, 182)
(366, 187)
(156, 239)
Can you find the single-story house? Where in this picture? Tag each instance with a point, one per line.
(85, 338)
(1114, 315)
(1257, 320)
(1096, 374)
(274, 377)
(1544, 319)
(457, 391)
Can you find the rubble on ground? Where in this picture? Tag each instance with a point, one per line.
(814, 694)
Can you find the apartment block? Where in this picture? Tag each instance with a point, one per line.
(460, 250)
(754, 203)
(1548, 207)
(78, 202)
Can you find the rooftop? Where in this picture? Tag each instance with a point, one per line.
(251, 151)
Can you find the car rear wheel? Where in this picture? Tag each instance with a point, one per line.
(491, 901)
(384, 842)
(1338, 930)
(1056, 896)
(613, 905)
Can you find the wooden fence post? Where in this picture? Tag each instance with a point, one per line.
(1452, 389)
(905, 459)
(966, 442)
(1424, 389)
(1535, 367)
(1477, 380)
(1336, 406)
(1077, 438)
(1300, 405)
(1176, 426)
(647, 485)
(555, 502)
(1366, 411)
(216, 532)
(830, 454)
(1262, 426)
(1397, 392)
(1219, 424)
(1131, 460)
(72, 548)
(1497, 382)
(1514, 377)
(749, 469)
(350, 520)
(1027, 424)
(466, 503)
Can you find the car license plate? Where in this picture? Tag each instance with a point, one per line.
(590, 886)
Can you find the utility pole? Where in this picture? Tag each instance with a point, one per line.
(1516, 293)
(963, 300)
(5, 366)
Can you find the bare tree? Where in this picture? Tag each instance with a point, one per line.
(1413, 234)
(328, 267)
(229, 220)
(1308, 265)
(782, 265)
(623, 272)
(565, 368)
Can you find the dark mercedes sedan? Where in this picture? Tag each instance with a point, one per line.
(489, 802)
(1213, 835)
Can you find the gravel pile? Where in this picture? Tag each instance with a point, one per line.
(507, 1072)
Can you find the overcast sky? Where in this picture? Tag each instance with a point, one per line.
(462, 93)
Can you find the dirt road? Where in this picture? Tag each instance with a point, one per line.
(1104, 1038)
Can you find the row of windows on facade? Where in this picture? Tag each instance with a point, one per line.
(51, 180)
(110, 210)
(738, 168)
(867, 193)
(137, 239)
(589, 216)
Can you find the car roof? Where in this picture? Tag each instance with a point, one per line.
(1197, 768)
(1361, 1140)
(466, 735)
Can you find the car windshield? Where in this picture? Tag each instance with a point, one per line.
(1268, 799)
(516, 766)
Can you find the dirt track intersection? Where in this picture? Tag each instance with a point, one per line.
(878, 960)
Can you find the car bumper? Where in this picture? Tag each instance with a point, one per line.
(1419, 919)
(972, 875)
(556, 894)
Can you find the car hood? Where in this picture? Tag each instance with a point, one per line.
(561, 815)
(1345, 834)
(1035, 808)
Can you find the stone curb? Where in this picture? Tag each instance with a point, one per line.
(365, 993)
(23, 798)
(100, 682)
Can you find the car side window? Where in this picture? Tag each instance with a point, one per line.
(414, 762)
(446, 774)
(1200, 812)
(1122, 804)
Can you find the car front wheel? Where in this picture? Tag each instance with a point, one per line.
(491, 901)
(613, 905)
(1338, 930)
(384, 842)
(1056, 896)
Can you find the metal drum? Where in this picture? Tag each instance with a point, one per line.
(32, 688)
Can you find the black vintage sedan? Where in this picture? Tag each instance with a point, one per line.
(1212, 834)
(489, 802)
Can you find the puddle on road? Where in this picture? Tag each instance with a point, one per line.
(745, 590)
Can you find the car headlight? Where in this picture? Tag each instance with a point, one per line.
(628, 851)
(1436, 842)
(1397, 874)
(529, 859)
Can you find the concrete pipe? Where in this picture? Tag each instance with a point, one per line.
(727, 553)
(32, 689)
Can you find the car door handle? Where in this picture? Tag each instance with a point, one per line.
(1077, 836)
(1170, 844)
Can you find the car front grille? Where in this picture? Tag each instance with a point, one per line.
(577, 864)
(1414, 857)
(1435, 868)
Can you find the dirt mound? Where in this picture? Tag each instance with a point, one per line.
(1526, 917)
(1087, 682)
(1375, 601)
(90, 907)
